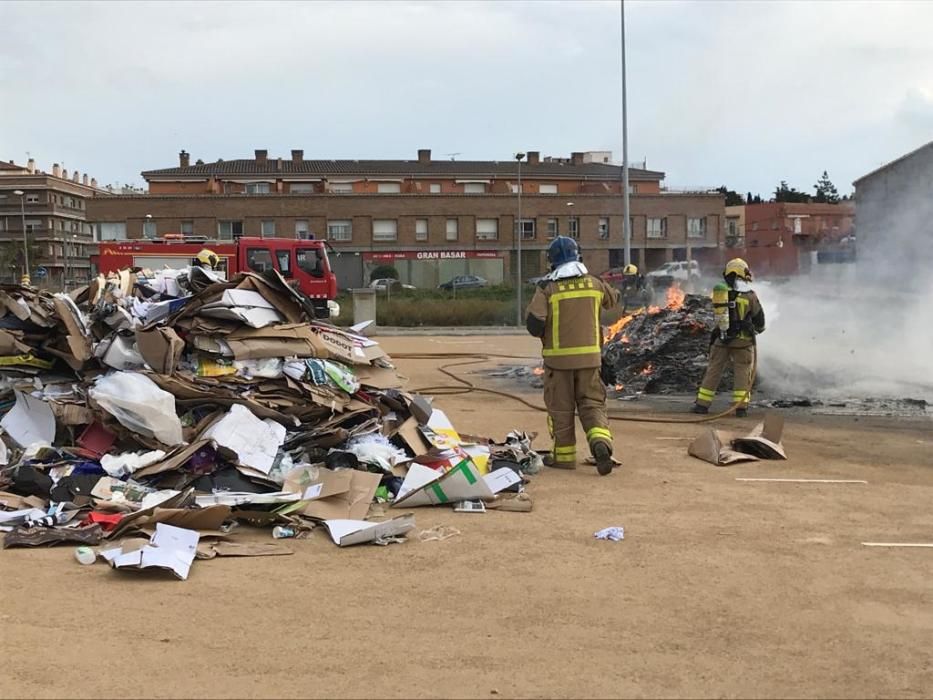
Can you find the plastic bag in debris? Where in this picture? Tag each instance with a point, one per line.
(139, 405)
(124, 464)
(375, 449)
(322, 372)
(265, 368)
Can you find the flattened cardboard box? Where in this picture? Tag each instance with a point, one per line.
(160, 347)
(722, 448)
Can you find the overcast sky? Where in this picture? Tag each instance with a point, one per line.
(737, 93)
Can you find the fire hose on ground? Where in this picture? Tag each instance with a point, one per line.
(464, 386)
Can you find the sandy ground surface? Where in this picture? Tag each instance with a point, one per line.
(720, 588)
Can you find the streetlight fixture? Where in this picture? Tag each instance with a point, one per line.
(22, 211)
(518, 246)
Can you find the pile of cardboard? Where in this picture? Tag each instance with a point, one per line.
(187, 409)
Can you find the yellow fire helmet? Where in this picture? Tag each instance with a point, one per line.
(629, 270)
(208, 258)
(739, 267)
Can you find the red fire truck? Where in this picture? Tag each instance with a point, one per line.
(303, 263)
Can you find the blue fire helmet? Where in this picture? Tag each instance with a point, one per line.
(563, 250)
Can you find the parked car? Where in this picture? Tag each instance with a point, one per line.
(464, 282)
(387, 284)
(680, 271)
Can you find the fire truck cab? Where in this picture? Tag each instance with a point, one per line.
(303, 263)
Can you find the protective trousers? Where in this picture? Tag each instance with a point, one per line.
(743, 358)
(566, 392)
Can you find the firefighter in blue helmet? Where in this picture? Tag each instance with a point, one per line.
(564, 314)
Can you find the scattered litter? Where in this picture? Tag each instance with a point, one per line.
(616, 534)
(898, 544)
(721, 448)
(808, 481)
(470, 507)
(438, 533)
(85, 556)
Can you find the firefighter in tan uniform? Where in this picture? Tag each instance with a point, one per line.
(739, 319)
(564, 313)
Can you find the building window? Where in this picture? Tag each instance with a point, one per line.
(340, 230)
(421, 229)
(573, 227)
(487, 229)
(301, 228)
(388, 187)
(657, 228)
(301, 188)
(452, 229)
(149, 229)
(385, 229)
(547, 189)
(774, 225)
(798, 226)
(341, 187)
(257, 188)
(603, 228)
(267, 228)
(696, 227)
(435, 188)
(228, 230)
(112, 231)
(515, 189)
(732, 227)
(755, 226)
(32, 199)
(528, 229)
(474, 188)
(553, 228)
(187, 228)
(33, 225)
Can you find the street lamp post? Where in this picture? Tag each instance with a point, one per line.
(518, 245)
(22, 211)
(626, 216)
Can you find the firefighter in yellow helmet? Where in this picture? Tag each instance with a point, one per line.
(564, 314)
(633, 287)
(207, 258)
(739, 318)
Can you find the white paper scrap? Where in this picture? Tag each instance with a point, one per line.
(30, 421)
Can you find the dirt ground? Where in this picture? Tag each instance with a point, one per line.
(720, 588)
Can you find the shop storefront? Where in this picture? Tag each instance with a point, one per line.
(426, 269)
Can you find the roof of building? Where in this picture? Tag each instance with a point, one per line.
(435, 168)
(11, 166)
(904, 157)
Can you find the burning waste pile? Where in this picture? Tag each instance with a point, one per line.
(660, 350)
(186, 409)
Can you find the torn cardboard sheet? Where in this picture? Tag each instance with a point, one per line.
(242, 549)
(345, 533)
(240, 498)
(344, 494)
(161, 348)
(30, 421)
(424, 486)
(171, 548)
(255, 442)
(722, 448)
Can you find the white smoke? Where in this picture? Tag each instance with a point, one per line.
(839, 334)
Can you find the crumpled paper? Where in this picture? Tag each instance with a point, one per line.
(615, 534)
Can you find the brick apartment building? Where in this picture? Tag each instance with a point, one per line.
(783, 238)
(53, 208)
(432, 219)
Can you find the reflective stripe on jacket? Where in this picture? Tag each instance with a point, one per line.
(569, 309)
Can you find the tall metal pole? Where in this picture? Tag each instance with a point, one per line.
(518, 246)
(627, 219)
(65, 270)
(22, 211)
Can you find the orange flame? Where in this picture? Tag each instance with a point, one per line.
(620, 387)
(675, 297)
(538, 371)
(613, 330)
(649, 368)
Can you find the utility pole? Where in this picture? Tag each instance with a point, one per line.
(518, 246)
(22, 211)
(627, 218)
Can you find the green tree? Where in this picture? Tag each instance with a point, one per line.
(825, 190)
(383, 272)
(784, 193)
(733, 198)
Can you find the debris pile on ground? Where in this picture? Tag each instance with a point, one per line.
(181, 409)
(660, 350)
